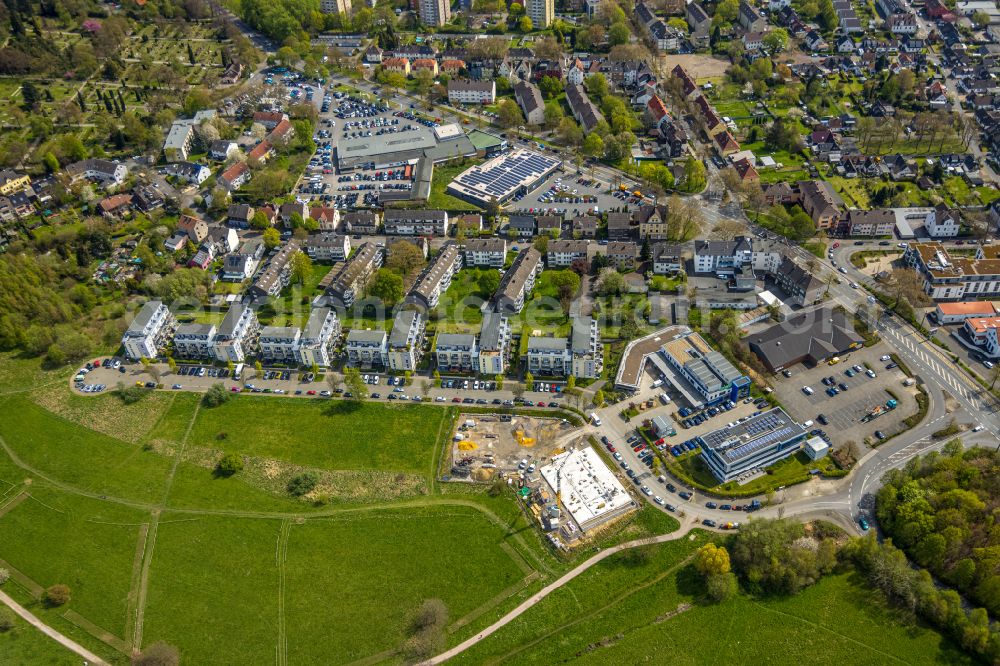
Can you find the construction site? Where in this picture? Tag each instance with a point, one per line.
(488, 446)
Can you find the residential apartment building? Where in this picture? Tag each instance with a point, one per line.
(518, 282)
(335, 7)
(948, 278)
(667, 258)
(434, 12)
(320, 334)
(360, 222)
(279, 344)
(406, 342)
(236, 337)
(277, 274)
(548, 357)
(456, 352)
(194, 341)
(982, 332)
(623, 255)
(562, 253)
(878, 222)
(350, 281)
(11, 182)
(801, 287)
(821, 203)
(489, 252)
(529, 98)
(722, 257)
(105, 172)
(494, 344)
(584, 110)
(328, 247)
(436, 278)
(241, 265)
(402, 222)
(586, 349)
(942, 222)
(466, 91)
(651, 221)
(541, 12)
(148, 331)
(367, 349)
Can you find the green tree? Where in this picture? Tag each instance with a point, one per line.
(593, 146)
(524, 24)
(553, 114)
(499, 381)
(597, 86)
(260, 222)
(355, 384)
(694, 174)
(509, 114)
(550, 86)
(619, 33)
(776, 40)
(272, 238)
(489, 282)
(57, 595)
(301, 267)
(386, 286)
(216, 395)
(302, 484)
(712, 559)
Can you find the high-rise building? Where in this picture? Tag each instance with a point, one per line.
(541, 12)
(335, 6)
(435, 12)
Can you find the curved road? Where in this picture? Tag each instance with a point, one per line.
(67, 643)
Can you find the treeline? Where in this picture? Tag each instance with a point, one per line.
(942, 511)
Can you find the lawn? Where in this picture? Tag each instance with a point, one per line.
(460, 305)
(443, 175)
(325, 434)
(26, 645)
(53, 537)
(214, 589)
(86, 459)
(791, 470)
(543, 312)
(383, 564)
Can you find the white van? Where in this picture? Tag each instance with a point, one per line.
(595, 419)
(658, 383)
(664, 398)
(807, 424)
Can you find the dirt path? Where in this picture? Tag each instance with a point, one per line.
(549, 589)
(67, 643)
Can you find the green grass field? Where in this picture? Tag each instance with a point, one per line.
(24, 644)
(325, 434)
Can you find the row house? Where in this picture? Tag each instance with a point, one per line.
(406, 341)
(820, 202)
(584, 110)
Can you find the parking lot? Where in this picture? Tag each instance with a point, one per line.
(347, 118)
(851, 396)
(569, 194)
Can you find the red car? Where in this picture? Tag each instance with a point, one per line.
(611, 448)
(235, 389)
(659, 441)
(836, 245)
(456, 399)
(638, 448)
(310, 392)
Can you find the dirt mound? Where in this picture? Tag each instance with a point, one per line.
(483, 474)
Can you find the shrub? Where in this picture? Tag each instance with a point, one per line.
(4, 575)
(132, 394)
(216, 395)
(302, 484)
(157, 654)
(6, 619)
(230, 464)
(57, 595)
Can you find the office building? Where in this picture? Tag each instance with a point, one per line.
(754, 444)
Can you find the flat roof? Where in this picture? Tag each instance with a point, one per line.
(589, 489)
(634, 359)
(745, 439)
(501, 176)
